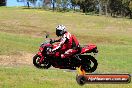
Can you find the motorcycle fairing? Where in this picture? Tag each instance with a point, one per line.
(88, 48)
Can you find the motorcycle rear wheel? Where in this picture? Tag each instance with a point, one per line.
(86, 64)
(44, 64)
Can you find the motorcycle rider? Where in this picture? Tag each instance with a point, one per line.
(68, 43)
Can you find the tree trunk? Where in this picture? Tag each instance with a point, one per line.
(106, 10)
(100, 8)
(28, 5)
(53, 5)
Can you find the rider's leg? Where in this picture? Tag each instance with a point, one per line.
(68, 53)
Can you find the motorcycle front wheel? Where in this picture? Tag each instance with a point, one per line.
(44, 64)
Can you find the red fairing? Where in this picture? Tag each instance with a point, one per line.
(88, 48)
(91, 46)
(39, 53)
(57, 54)
(55, 45)
(42, 57)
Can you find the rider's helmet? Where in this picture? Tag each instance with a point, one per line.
(60, 30)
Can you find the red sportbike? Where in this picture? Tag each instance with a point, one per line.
(84, 58)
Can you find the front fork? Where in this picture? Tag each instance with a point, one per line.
(41, 57)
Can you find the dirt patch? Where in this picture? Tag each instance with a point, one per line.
(16, 60)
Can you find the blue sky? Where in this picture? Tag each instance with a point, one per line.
(15, 3)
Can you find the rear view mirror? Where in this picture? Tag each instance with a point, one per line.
(47, 35)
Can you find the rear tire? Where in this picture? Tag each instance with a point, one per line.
(86, 64)
(44, 64)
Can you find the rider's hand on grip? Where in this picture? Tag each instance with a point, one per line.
(49, 50)
(52, 41)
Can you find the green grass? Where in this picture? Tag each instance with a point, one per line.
(28, 77)
(22, 30)
(115, 59)
(12, 43)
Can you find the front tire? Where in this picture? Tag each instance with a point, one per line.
(44, 64)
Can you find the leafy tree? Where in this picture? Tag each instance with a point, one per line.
(126, 9)
(62, 4)
(103, 6)
(87, 5)
(2, 2)
(32, 1)
(120, 8)
(74, 3)
(58, 4)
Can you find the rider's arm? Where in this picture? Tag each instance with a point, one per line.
(62, 41)
(59, 40)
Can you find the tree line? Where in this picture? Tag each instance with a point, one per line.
(2, 2)
(115, 8)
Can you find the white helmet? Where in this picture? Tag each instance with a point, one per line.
(60, 30)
